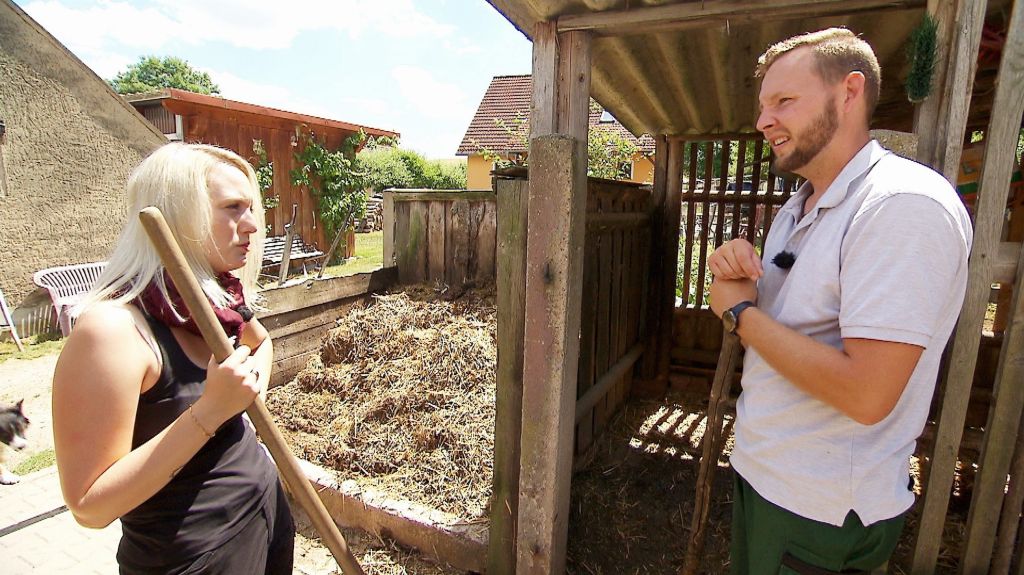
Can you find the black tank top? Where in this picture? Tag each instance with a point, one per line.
(215, 493)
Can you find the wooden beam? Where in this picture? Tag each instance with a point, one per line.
(434, 195)
(1002, 134)
(574, 85)
(959, 86)
(670, 256)
(508, 408)
(554, 275)
(610, 378)
(1001, 437)
(681, 16)
(1004, 416)
(389, 229)
(652, 311)
(544, 114)
(927, 123)
(1004, 269)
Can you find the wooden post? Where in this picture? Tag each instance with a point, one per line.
(389, 228)
(1008, 400)
(652, 312)
(946, 118)
(927, 126)
(554, 277)
(1002, 133)
(511, 284)
(670, 256)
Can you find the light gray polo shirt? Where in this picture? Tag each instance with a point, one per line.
(883, 255)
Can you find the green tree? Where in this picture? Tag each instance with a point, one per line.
(333, 178)
(153, 73)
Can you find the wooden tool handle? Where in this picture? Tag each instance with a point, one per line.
(711, 447)
(202, 312)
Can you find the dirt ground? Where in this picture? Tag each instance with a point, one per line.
(29, 379)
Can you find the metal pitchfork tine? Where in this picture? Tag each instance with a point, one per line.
(200, 309)
(711, 447)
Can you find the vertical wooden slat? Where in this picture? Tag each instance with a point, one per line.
(670, 257)
(702, 236)
(602, 347)
(649, 365)
(1002, 133)
(457, 254)
(736, 210)
(615, 311)
(418, 241)
(723, 183)
(389, 229)
(403, 255)
(588, 330)
(691, 222)
(435, 241)
(508, 408)
(485, 245)
(755, 178)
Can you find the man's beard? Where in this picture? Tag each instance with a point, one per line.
(811, 141)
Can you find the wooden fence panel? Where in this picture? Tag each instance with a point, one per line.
(446, 237)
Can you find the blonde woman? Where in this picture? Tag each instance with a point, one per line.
(148, 427)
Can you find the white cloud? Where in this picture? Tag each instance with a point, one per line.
(428, 96)
(94, 27)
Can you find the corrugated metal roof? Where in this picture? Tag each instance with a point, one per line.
(501, 123)
(699, 80)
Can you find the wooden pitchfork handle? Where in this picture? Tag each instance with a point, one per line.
(711, 447)
(201, 311)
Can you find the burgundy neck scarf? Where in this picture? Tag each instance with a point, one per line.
(232, 318)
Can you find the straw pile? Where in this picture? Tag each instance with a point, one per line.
(401, 398)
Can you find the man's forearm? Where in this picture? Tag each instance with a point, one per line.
(863, 380)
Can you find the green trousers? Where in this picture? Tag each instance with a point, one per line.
(768, 540)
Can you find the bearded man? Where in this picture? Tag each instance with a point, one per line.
(844, 337)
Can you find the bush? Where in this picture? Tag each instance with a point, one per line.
(390, 167)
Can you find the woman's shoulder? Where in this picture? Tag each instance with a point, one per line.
(111, 324)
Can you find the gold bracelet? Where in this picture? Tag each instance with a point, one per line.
(199, 425)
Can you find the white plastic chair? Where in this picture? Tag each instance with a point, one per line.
(5, 315)
(67, 285)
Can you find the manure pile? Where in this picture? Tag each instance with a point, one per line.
(401, 399)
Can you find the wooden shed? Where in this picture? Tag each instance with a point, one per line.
(682, 71)
(190, 117)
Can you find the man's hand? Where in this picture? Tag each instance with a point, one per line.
(734, 260)
(726, 293)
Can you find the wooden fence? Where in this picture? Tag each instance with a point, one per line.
(441, 237)
(299, 316)
(615, 266)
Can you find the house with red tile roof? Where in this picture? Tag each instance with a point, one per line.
(500, 128)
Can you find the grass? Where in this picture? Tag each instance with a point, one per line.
(35, 347)
(369, 256)
(35, 462)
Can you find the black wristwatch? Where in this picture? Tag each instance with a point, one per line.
(731, 316)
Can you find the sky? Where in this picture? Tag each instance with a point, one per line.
(418, 67)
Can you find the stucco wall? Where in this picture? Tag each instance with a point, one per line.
(69, 146)
(478, 173)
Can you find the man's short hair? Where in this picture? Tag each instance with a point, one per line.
(838, 52)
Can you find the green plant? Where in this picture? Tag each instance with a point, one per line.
(36, 461)
(389, 167)
(152, 73)
(265, 175)
(921, 50)
(333, 178)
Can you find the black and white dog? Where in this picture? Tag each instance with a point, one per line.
(13, 424)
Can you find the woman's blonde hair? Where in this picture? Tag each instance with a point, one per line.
(175, 179)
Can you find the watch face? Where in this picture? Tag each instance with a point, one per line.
(729, 321)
